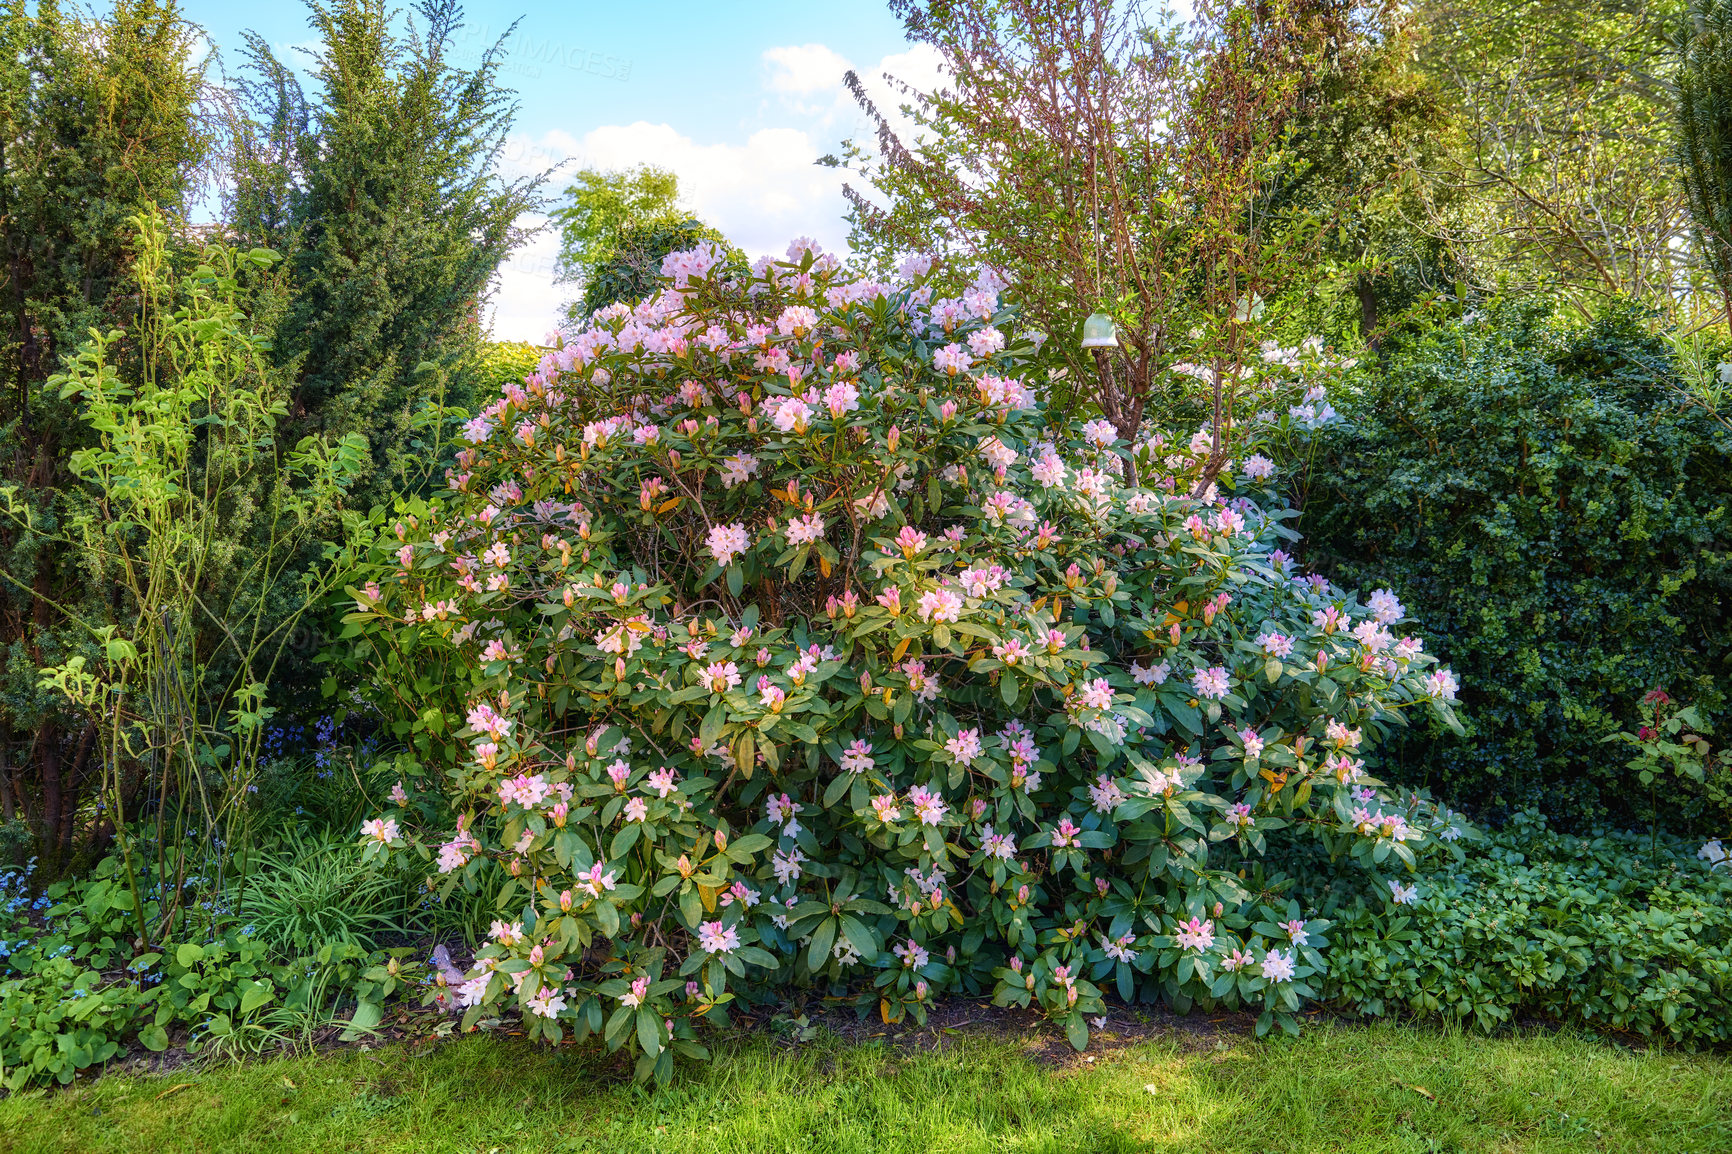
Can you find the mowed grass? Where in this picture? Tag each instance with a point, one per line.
(1334, 1089)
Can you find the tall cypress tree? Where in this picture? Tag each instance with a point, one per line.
(1704, 133)
(382, 191)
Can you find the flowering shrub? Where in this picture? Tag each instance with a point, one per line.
(796, 643)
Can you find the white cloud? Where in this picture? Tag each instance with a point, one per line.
(804, 69)
(761, 191)
(527, 302)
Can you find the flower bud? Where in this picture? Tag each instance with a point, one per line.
(893, 438)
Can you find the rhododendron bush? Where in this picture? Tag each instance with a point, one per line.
(798, 644)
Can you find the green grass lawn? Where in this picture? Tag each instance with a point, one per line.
(1335, 1088)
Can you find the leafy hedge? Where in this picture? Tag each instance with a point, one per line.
(1557, 522)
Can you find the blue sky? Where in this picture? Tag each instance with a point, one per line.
(736, 98)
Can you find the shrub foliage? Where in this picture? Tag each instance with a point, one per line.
(1557, 520)
(774, 633)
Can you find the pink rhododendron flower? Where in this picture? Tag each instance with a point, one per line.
(1258, 467)
(1196, 934)
(715, 938)
(857, 757)
(940, 605)
(1278, 967)
(381, 830)
(951, 359)
(965, 746)
(1210, 683)
(727, 542)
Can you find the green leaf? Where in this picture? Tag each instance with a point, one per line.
(822, 939)
(625, 839)
(256, 996)
(1008, 687)
(648, 1031)
(366, 1017)
(153, 1038)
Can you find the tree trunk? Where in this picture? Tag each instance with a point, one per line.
(1367, 311)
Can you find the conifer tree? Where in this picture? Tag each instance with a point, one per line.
(1704, 134)
(381, 189)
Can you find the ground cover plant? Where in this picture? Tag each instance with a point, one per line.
(1617, 932)
(773, 632)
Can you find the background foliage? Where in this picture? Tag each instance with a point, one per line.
(1558, 520)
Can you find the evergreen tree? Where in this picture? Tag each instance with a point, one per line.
(381, 190)
(634, 261)
(1704, 134)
